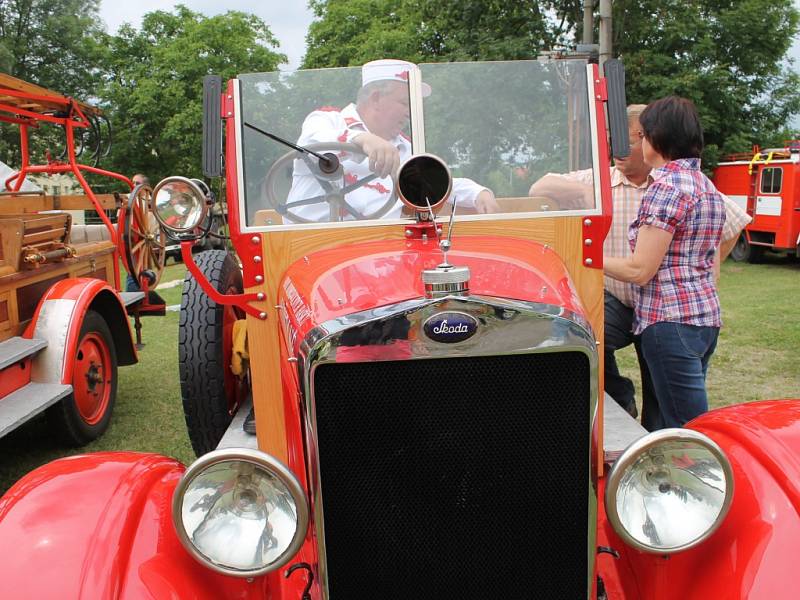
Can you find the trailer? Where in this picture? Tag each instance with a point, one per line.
(64, 326)
(765, 183)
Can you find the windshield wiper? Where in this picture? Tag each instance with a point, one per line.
(328, 162)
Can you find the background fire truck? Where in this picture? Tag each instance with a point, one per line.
(766, 183)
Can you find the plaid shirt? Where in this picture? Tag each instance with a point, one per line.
(683, 202)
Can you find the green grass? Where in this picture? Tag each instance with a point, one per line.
(148, 416)
(756, 356)
(756, 359)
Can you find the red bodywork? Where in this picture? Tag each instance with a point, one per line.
(754, 551)
(347, 279)
(102, 525)
(109, 533)
(775, 211)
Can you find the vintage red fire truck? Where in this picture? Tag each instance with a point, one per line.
(765, 183)
(63, 325)
(427, 388)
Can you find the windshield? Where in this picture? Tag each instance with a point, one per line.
(515, 135)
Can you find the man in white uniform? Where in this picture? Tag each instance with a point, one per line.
(375, 123)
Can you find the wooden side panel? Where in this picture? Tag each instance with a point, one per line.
(11, 204)
(282, 248)
(24, 290)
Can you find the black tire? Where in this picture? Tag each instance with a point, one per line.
(745, 251)
(202, 367)
(64, 417)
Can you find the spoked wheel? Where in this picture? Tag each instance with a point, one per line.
(210, 391)
(143, 240)
(85, 414)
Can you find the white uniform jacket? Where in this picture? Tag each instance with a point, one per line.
(329, 124)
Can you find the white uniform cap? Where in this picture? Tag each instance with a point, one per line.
(389, 69)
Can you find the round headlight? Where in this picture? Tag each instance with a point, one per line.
(180, 204)
(669, 491)
(240, 512)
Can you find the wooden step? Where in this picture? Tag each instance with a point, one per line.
(15, 349)
(27, 402)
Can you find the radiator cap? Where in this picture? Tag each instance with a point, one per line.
(446, 280)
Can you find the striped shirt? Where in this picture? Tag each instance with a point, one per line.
(683, 202)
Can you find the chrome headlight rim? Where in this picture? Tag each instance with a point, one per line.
(198, 192)
(261, 460)
(632, 453)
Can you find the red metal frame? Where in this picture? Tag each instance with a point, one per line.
(595, 228)
(74, 118)
(248, 246)
(238, 300)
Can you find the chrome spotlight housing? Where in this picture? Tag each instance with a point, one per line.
(669, 491)
(240, 512)
(180, 204)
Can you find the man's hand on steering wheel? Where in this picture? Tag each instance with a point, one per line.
(384, 157)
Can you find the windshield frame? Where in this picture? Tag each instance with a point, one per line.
(418, 146)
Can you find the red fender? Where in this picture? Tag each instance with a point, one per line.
(754, 552)
(100, 527)
(59, 317)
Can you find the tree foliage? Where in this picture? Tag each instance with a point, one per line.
(148, 80)
(154, 83)
(52, 43)
(728, 56)
(725, 55)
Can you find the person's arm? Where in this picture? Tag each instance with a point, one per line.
(717, 264)
(725, 248)
(639, 268)
(384, 157)
(568, 192)
(470, 194)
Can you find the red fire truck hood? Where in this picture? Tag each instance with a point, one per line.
(352, 278)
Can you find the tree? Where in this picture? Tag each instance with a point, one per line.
(52, 43)
(351, 32)
(725, 55)
(153, 87)
(728, 56)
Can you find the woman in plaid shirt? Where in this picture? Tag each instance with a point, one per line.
(674, 241)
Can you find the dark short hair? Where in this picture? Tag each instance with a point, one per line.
(672, 127)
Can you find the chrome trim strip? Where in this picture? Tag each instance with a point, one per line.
(507, 327)
(264, 461)
(417, 115)
(598, 197)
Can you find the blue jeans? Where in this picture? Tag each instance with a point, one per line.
(677, 356)
(131, 285)
(618, 334)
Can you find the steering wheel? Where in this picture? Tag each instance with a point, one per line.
(143, 241)
(333, 196)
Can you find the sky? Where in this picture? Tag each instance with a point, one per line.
(287, 19)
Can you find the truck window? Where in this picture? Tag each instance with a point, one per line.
(771, 179)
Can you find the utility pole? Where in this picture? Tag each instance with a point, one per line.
(605, 32)
(588, 21)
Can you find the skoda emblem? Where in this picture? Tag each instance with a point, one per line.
(450, 327)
